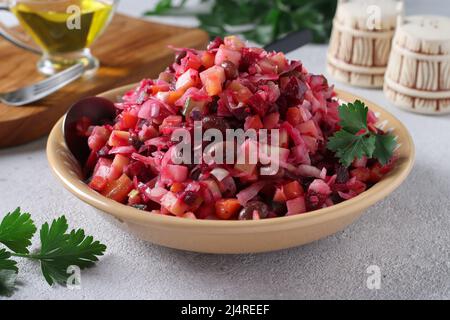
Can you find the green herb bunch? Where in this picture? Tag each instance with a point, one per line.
(59, 249)
(355, 140)
(262, 21)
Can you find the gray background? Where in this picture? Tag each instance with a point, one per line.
(407, 235)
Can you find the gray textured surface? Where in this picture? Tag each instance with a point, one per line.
(407, 235)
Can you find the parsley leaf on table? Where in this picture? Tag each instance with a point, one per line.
(354, 140)
(59, 250)
(7, 282)
(6, 263)
(8, 274)
(16, 231)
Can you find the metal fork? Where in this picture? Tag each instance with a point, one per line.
(42, 89)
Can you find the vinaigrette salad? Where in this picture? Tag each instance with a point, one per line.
(228, 86)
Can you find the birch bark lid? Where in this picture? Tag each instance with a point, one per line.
(417, 78)
(370, 15)
(361, 40)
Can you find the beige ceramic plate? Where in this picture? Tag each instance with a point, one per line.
(232, 236)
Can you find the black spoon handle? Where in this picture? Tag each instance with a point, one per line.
(291, 42)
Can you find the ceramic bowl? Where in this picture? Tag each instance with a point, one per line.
(232, 236)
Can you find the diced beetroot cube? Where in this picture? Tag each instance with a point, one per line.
(147, 132)
(311, 144)
(215, 44)
(279, 59)
(308, 128)
(356, 186)
(296, 206)
(258, 104)
(361, 174)
(206, 211)
(178, 173)
(301, 154)
(319, 186)
(376, 173)
(169, 124)
(191, 61)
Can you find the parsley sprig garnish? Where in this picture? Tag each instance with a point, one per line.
(59, 249)
(355, 140)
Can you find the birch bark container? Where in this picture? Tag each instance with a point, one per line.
(361, 39)
(418, 74)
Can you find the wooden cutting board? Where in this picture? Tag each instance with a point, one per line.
(129, 50)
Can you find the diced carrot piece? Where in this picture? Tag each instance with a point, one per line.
(177, 187)
(293, 116)
(98, 183)
(213, 79)
(171, 202)
(119, 138)
(129, 120)
(174, 96)
(279, 196)
(293, 190)
(118, 189)
(207, 59)
(156, 89)
(227, 208)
